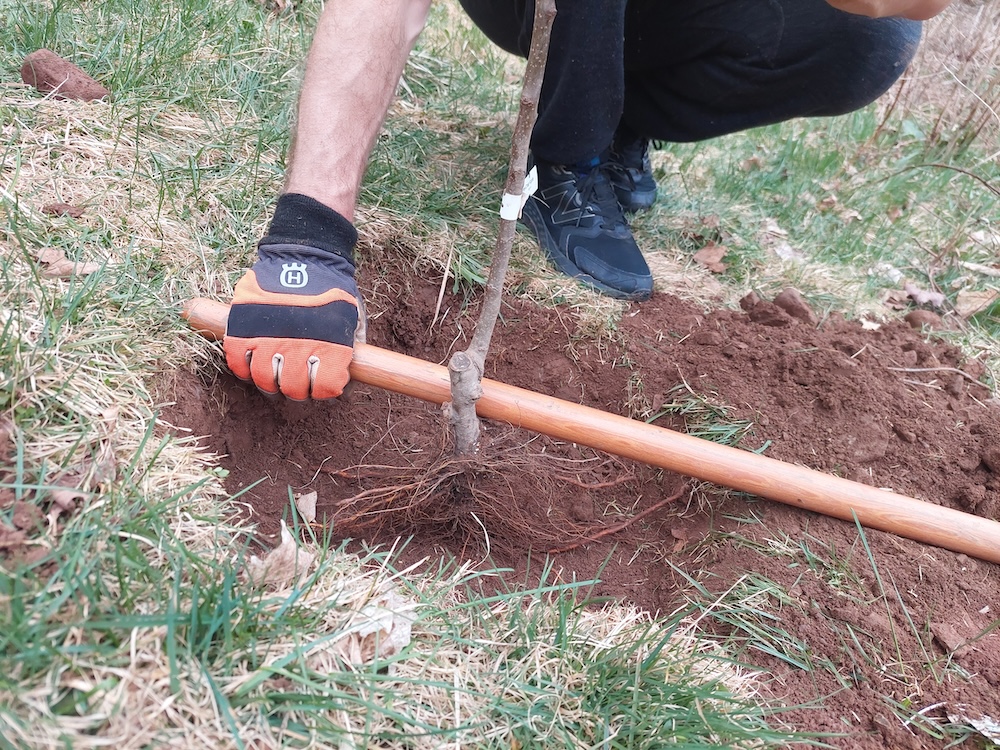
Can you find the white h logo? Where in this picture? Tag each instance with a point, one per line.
(294, 275)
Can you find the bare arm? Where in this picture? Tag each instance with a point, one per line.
(916, 10)
(354, 65)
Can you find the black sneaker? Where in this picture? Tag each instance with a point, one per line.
(632, 173)
(580, 225)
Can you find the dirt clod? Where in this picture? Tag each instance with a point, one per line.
(27, 516)
(62, 209)
(49, 73)
(991, 457)
(924, 319)
(769, 314)
(791, 301)
(948, 637)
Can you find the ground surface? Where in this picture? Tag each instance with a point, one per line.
(820, 394)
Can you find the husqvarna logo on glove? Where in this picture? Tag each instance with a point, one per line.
(294, 275)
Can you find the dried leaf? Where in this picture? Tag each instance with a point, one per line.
(968, 303)
(11, 537)
(786, 252)
(66, 498)
(385, 629)
(75, 486)
(285, 564)
(306, 505)
(57, 265)
(986, 725)
(773, 237)
(896, 299)
(888, 271)
(770, 227)
(923, 297)
(869, 325)
(711, 256)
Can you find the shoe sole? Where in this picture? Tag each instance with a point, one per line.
(532, 219)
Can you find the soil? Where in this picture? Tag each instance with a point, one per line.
(894, 407)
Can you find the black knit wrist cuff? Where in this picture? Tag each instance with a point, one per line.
(301, 220)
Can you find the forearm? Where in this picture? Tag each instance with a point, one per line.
(917, 10)
(356, 59)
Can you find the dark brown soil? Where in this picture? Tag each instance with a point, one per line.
(890, 408)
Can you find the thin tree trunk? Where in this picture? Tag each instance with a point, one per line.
(466, 368)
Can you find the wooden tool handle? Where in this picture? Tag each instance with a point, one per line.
(658, 446)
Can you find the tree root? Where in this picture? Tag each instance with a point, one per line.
(615, 528)
(471, 501)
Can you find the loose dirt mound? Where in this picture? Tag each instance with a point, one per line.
(889, 407)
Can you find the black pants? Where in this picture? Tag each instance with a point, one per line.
(687, 70)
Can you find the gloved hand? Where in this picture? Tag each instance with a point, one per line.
(294, 314)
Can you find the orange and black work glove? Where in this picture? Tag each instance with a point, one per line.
(294, 314)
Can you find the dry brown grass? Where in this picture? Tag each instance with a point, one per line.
(954, 82)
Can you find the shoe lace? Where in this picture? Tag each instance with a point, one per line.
(620, 173)
(597, 192)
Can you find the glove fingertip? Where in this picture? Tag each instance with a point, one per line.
(237, 357)
(331, 374)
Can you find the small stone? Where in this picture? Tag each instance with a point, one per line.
(970, 497)
(582, 510)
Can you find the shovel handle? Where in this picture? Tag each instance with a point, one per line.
(730, 467)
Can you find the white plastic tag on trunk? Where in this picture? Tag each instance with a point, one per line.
(511, 205)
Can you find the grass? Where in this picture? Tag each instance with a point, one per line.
(702, 416)
(129, 618)
(151, 609)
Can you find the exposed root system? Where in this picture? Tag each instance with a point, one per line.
(472, 501)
